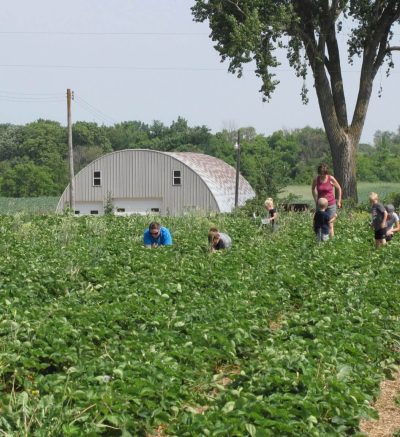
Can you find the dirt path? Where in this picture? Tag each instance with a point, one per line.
(389, 411)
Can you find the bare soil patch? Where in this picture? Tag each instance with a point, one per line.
(389, 411)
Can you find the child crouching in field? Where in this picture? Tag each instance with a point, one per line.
(392, 223)
(378, 220)
(218, 240)
(322, 220)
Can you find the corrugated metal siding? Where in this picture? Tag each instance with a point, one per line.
(139, 174)
(219, 177)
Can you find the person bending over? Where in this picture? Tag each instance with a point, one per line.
(392, 223)
(218, 240)
(157, 235)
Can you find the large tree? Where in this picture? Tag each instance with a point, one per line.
(251, 30)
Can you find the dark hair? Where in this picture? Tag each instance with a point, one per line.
(323, 169)
(154, 225)
(212, 235)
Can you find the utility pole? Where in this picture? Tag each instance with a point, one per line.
(237, 147)
(70, 97)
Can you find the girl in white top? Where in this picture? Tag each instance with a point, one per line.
(393, 223)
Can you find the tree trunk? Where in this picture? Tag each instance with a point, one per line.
(344, 153)
(343, 140)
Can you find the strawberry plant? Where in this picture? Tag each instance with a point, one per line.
(277, 336)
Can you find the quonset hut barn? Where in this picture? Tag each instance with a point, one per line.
(138, 181)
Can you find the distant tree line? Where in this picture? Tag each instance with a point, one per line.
(34, 161)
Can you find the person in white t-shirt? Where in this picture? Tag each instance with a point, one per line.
(393, 223)
(218, 240)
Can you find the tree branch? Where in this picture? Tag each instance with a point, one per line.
(237, 7)
(374, 54)
(382, 52)
(335, 72)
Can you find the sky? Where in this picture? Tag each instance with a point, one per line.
(148, 60)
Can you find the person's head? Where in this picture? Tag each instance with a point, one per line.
(213, 229)
(390, 209)
(373, 197)
(323, 169)
(154, 229)
(269, 203)
(213, 237)
(322, 204)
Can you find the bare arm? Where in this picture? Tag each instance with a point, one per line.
(336, 184)
(383, 225)
(314, 190)
(396, 228)
(333, 218)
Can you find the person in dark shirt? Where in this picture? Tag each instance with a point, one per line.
(269, 206)
(378, 220)
(322, 220)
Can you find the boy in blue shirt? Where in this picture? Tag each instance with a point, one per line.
(157, 235)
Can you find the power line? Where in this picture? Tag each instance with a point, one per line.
(62, 33)
(10, 96)
(139, 68)
(24, 97)
(24, 94)
(106, 119)
(10, 99)
(104, 33)
(112, 67)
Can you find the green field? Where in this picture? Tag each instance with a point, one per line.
(47, 205)
(382, 188)
(278, 336)
(30, 205)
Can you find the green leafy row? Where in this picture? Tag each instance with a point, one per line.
(278, 336)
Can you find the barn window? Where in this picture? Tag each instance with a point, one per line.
(94, 212)
(77, 212)
(96, 178)
(155, 210)
(120, 209)
(176, 178)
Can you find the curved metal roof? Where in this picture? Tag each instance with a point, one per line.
(219, 176)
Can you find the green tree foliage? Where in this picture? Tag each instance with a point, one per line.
(251, 30)
(27, 180)
(129, 135)
(42, 139)
(380, 162)
(366, 168)
(90, 141)
(269, 163)
(9, 139)
(39, 147)
(264, 167)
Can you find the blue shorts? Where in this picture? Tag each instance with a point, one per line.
(331, 210)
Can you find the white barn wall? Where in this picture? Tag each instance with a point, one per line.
(141, 174)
